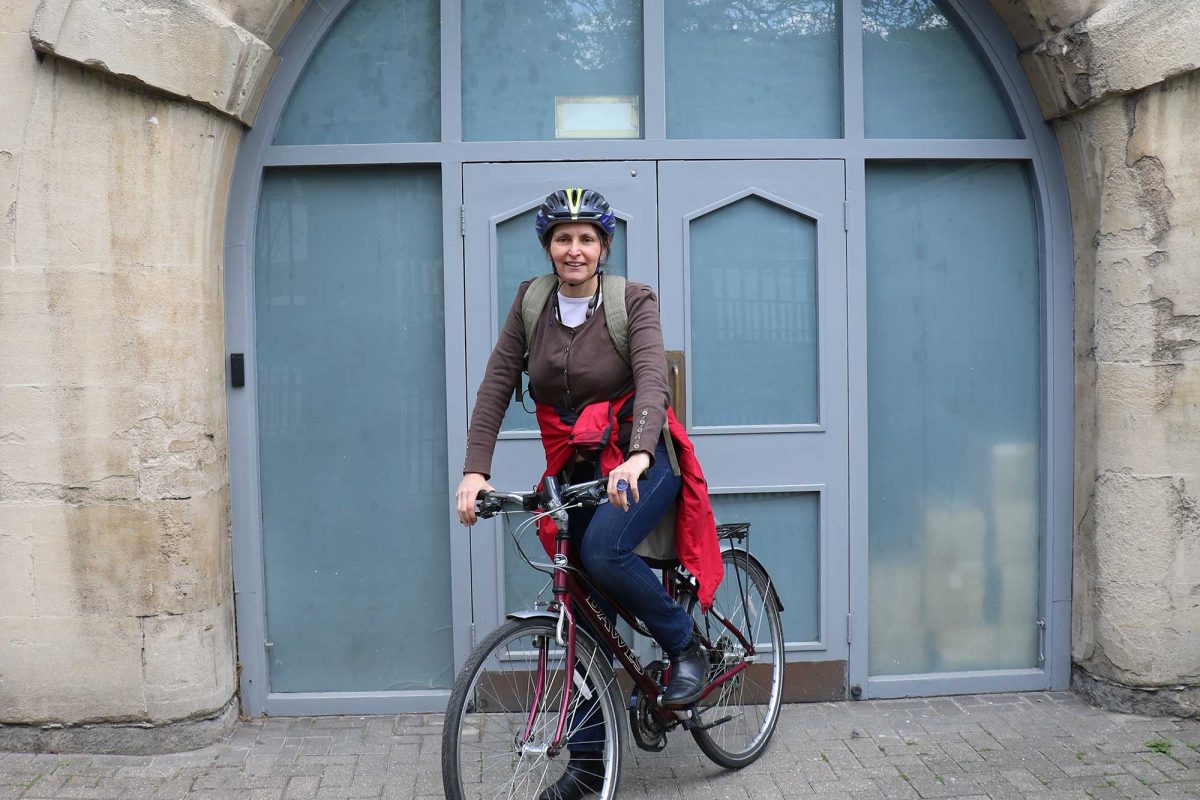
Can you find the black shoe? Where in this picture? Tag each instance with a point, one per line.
(689, 674)
(584, 775)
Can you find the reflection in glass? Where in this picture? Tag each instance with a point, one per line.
(753, 69)
(785, 535)
(923, 78)
(953, 366)
(374, 78)
(753, 277)
(352, 429)
(515, 64)
(519, 258)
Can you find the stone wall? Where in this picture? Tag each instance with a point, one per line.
(115, 577)
(115, 154)
(1122, 88)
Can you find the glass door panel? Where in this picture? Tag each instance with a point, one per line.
(954, 422)
(501, 251)
(752, 268)
(352, 431)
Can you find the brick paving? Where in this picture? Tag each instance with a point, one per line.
(1047, 746)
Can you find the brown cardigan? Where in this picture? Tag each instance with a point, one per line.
(574, 368)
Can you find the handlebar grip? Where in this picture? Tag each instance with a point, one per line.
(486, 505)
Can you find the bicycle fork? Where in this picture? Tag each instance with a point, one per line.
(564, 628)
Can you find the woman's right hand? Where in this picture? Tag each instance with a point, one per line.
(468, 492)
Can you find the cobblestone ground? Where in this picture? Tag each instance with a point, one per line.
(1049, 746)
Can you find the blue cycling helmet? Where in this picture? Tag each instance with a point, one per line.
(574, 205)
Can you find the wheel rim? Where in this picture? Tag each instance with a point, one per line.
(495, 760)
(751, 698)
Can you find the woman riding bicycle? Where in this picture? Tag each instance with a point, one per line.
(575, 370)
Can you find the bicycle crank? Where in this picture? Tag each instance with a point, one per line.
(694, 723)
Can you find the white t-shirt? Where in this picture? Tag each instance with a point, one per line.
(572, 311)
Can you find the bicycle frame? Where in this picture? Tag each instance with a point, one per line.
(574, 596)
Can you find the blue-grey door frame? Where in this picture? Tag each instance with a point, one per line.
(1037, 148)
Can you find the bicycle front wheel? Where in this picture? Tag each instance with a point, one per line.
(746, 706)
(504, 711)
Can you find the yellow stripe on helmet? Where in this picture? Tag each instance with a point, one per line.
(574, 201)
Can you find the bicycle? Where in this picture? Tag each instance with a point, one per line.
(513, 709)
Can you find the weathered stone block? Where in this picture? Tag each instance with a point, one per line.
(1123, 331)
(269, 20)
(16, 556)
(1122, 47)
(1144, 411)
(19, 66)
(70, 669)
(9, 160)
(1141, 549)
(103, 443)
(167, 557)
(16, 16)
(1163, 138)
(1031, 21)
(189, 662)
(114, 177)
(179, 46)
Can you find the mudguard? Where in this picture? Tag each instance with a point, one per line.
(759, 564)
(533, 613)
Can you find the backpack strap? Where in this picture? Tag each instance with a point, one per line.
(533, 304)
(615, 314)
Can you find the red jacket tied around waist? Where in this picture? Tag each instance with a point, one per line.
(595, 431)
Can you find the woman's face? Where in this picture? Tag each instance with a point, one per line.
(575, 248)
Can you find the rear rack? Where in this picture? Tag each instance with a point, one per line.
(734, 531)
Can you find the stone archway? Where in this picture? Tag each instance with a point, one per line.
(114, 550)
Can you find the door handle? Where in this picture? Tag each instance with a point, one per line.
(677, 381)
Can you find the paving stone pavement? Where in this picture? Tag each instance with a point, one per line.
(1046, 746)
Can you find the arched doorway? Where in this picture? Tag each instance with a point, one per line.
(854, 218)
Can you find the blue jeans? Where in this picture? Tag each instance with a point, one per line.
(604, 538)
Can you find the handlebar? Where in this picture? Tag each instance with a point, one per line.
(587, 493)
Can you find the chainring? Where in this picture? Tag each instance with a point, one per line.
(648, 732)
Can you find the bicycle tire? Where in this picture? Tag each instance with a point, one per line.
(489, 710)
(754, 697)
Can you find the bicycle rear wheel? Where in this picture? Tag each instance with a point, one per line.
(750, 701)
(485, 752)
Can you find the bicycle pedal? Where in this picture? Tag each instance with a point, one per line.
(694, 723)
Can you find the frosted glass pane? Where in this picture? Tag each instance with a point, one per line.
(519, 258)
(953, 366)
(374, 78)
(923, 78)
(514, 64)
(352, 427)
(785, 536)
(754, 69)
(753, 276)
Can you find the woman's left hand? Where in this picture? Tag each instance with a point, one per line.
(629, 472)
